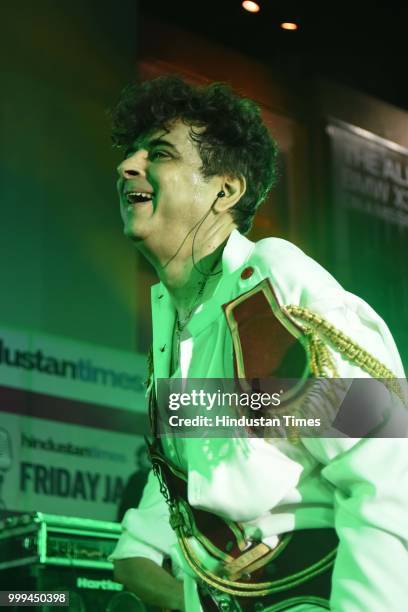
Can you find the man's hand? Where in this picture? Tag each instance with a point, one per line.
(150, 582)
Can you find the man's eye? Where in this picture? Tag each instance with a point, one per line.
(158, 154)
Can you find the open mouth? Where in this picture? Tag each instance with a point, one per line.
(138, 197)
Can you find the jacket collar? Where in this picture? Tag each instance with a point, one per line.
(236, 252)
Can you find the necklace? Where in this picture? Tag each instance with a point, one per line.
(180, 324)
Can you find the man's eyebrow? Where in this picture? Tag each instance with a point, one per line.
(160, 141)
(149, 145)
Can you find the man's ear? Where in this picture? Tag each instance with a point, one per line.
(233, 188)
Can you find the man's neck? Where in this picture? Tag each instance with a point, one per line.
(191, 280)
(196, 282)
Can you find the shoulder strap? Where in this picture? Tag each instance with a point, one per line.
(321, 333)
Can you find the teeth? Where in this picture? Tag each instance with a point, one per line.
(138, 196)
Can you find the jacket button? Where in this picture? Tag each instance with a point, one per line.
(247, 272)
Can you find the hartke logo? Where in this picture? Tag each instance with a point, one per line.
(103, 585)
(82, 370)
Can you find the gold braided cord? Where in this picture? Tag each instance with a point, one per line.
(150, 367)
(247, 589)
(345, 345)
(321, 362)
(238, 533)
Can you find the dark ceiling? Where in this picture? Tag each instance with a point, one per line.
(361, 44)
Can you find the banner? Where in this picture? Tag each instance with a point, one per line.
(369, 173)
(72, 417)
(53, 467)
(62, 367)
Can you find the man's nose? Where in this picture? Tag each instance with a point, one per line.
(133, 165)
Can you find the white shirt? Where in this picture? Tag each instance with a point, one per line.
(358, 486)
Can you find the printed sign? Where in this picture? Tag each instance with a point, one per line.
(59, 468)
(72, 418)
(65, 368)
(370, 174)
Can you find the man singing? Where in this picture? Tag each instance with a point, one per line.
(249, 524)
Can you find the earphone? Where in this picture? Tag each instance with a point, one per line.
(221, 194)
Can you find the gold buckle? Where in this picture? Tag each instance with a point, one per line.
(237, 567)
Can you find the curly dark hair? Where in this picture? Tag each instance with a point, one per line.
(235, 141)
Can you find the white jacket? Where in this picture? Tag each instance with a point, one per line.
(359, 486)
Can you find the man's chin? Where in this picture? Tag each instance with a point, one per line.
(132, 233)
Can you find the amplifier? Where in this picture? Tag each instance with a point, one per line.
(52, 539)
(90, 590)
(64, 553)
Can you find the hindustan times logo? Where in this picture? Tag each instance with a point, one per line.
(49, 444)
(82, 370)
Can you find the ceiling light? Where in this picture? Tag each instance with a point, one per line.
(289, 25)
(252, 7)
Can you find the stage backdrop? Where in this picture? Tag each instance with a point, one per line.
(65, 266)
